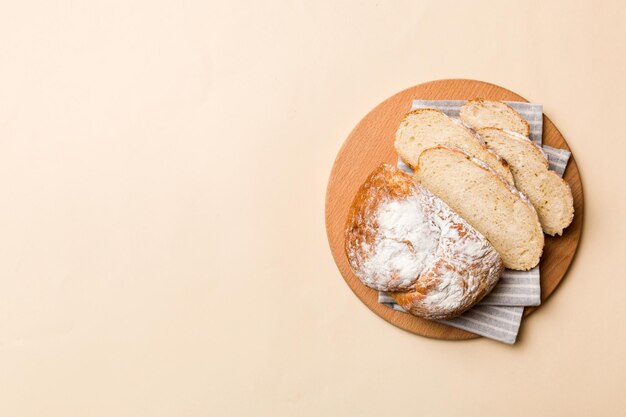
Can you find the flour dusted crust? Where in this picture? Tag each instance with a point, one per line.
(402, 239)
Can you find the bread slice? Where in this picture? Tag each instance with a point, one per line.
(480, 112)
(550, 195)
(496, 209)
(426, 128)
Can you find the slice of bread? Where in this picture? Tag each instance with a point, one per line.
(550, 195)
(496, 209)
(426, 128)
(480, 112)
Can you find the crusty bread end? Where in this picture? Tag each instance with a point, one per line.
(481, 112)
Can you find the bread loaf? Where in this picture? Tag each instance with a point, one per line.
(480, 112)
(549, 194)
(401, 238)
(486, 201)
(425, 128)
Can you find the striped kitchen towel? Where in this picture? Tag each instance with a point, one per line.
(499, 314)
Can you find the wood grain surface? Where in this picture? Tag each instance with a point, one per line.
(371, 143)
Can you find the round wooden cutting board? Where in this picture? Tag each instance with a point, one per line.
(371, 143)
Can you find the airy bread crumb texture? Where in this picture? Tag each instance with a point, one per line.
(426, 128)
(498, 211)
(549, 193)
(480, 112)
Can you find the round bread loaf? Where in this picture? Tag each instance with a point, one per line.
(403, 239)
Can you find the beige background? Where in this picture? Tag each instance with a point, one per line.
(163, 169)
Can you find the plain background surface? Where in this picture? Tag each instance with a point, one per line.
(163, 168)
